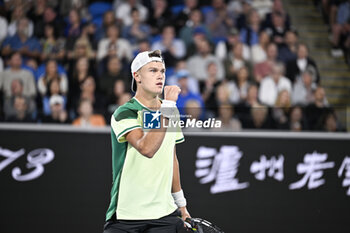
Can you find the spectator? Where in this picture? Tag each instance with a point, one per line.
(297, 121)
(186, 95)
(259, 118)
(87, 118)
(171, 47)
(303, 90)
(288, 50)
(195, 22)
(114, 73)
(208, 88)
(36, 14)
(229, 123)
(259, 50)
(193, 110)
(159, 16)
(29, 47)
(16, 72)
(219, 20)
(58, 114)
(318, 109)
(108, 20)
(341, 27)
(119, 97)
(51, 74)
(21, 111)
(242, 19)
(82, 70)
(53, 89)
(123, 11)
(239, 87)
(277, 8)
(88, 91)
(182, 17)
(137, 30)
(3, 28)
(278, 29)
(52, 46)
(114, 46)
(79, 5)
(281, 110)
(244, 106)
(74, 26)
(263, 69)
(272, 85)
(17, 91)
(82, 47)
(250, 33)
(302, 63)
(235, 61)
(330, 123)
(198, 62)
(17, 14)
(223, 48)
(51, 17)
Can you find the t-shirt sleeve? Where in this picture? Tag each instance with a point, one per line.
(124, 121)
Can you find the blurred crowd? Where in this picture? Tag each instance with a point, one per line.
(240, 61)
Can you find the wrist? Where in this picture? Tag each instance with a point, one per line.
(179, 199)
(168, 108)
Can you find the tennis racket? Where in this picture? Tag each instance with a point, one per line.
(202, 226)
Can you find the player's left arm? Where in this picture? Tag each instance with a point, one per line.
(176, 189)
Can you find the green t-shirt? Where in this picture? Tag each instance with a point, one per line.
(141, 187)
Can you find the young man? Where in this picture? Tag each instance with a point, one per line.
(146, 194)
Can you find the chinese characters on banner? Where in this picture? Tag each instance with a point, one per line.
(221, 167)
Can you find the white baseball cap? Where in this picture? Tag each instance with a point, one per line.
(142, 59)
(56, 99)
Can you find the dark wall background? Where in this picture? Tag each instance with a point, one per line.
(72, 195)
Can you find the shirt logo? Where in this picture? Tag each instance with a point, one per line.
(151, 120)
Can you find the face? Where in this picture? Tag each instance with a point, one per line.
(16, 87)
(113, 32)
(212, 69)
(253, 92)
(307, 79)
(54, 87)
(119, 87)
(296, 114)
(151, 77)
(291, 38)
(82, 64)
(242, 74)
(16, 60)
(73, 16)
(168, 33)
(264, 38)
(196, 16)
(109, 17)
(85, 108)
(319, 94)
(51, 67)
(114, 65)
(302, 52)
(272, 51)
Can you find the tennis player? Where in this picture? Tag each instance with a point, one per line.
(146, 194)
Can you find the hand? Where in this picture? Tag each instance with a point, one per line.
(171, 92)
(184, 213)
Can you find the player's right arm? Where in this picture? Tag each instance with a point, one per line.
(148, 143)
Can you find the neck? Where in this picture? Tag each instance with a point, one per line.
(149, 100)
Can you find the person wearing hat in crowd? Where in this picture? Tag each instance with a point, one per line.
(58, 114)
(146, 194)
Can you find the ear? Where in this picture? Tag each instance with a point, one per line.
(137, 77)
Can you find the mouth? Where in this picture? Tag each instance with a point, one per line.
(159, 84)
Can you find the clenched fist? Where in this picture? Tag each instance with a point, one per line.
(171, 92)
